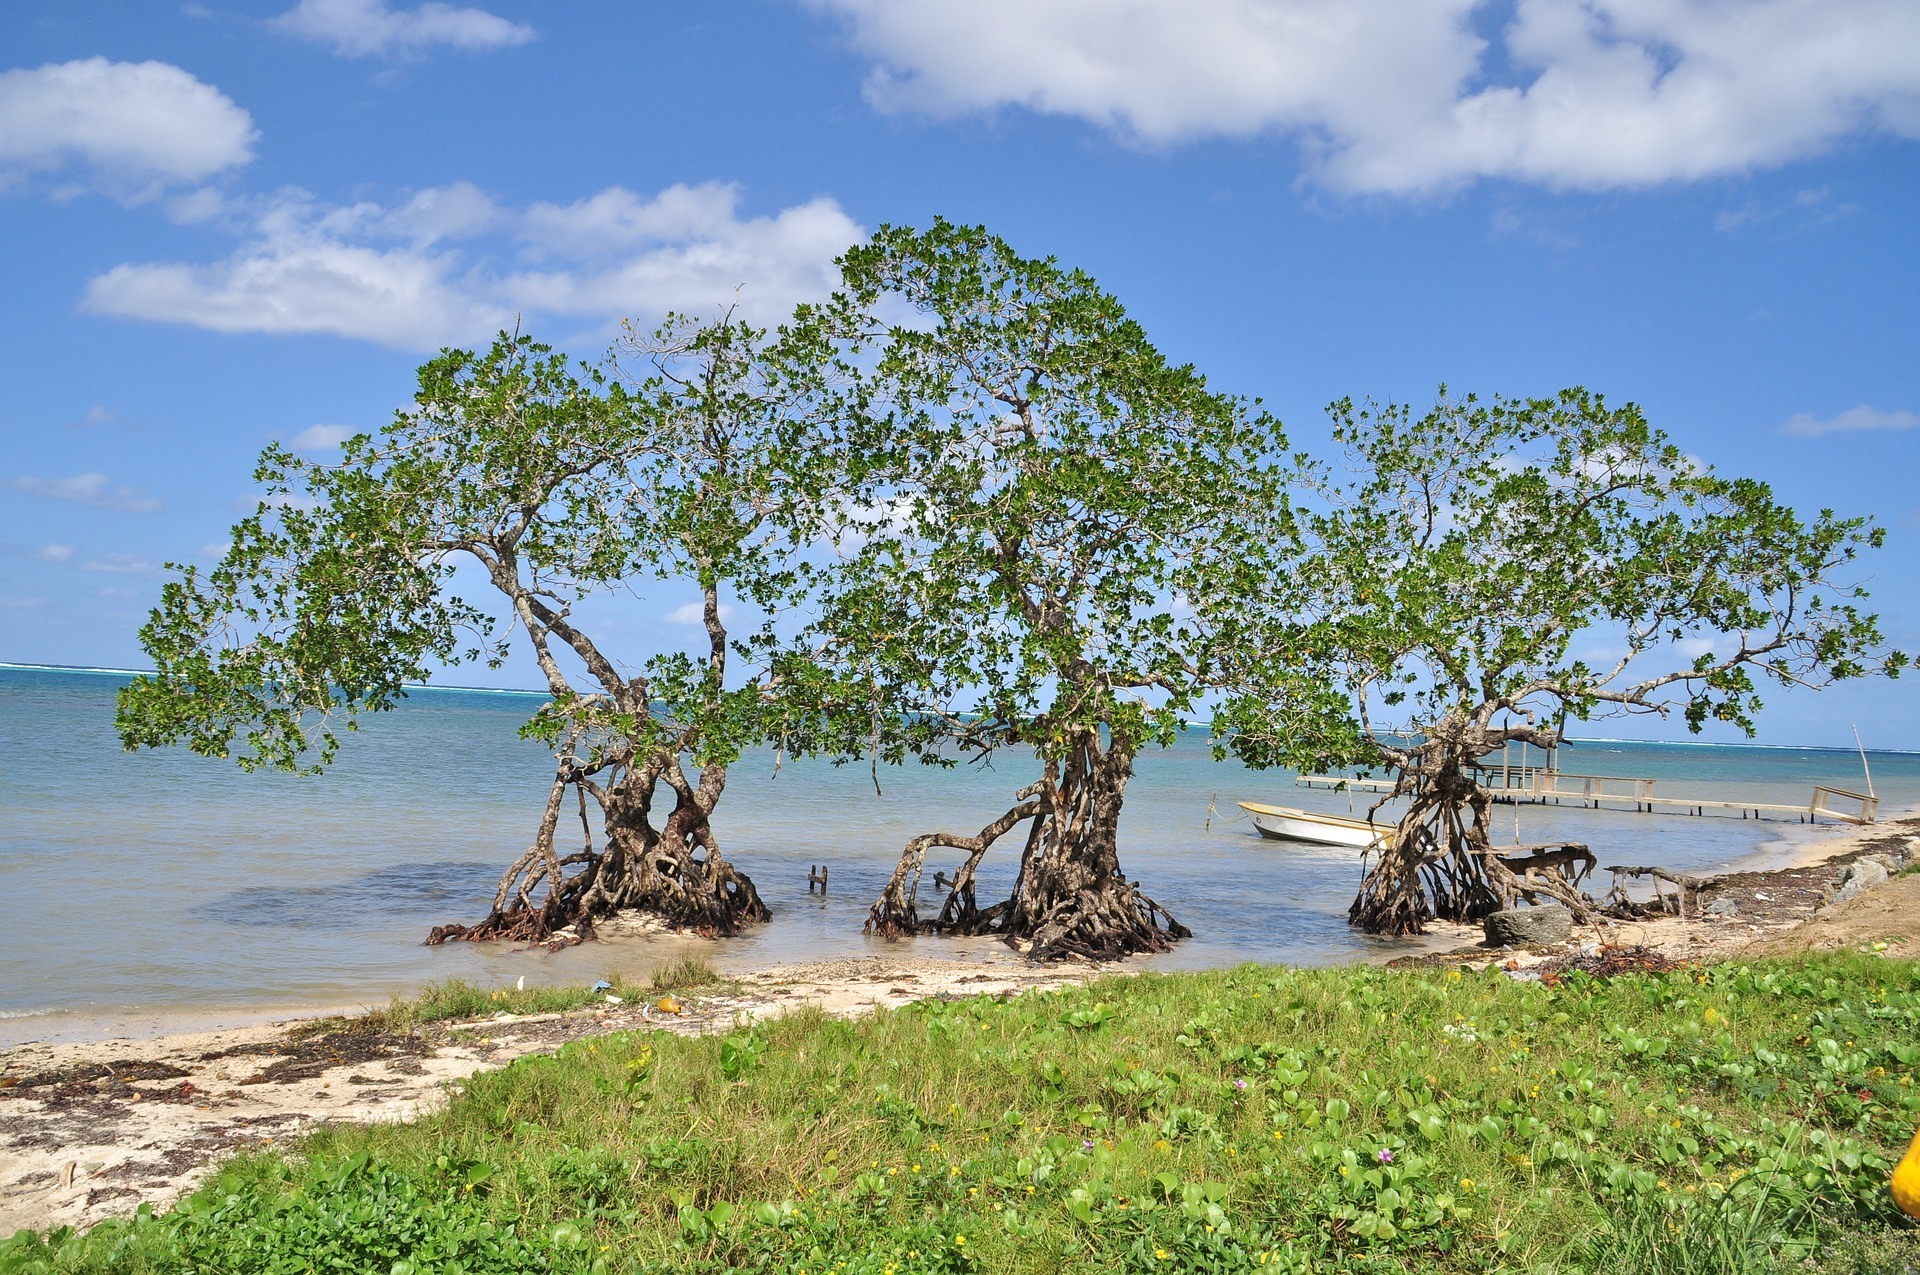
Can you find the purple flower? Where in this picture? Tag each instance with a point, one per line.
(1086, 1144)
(1241, 1085)
(1385, 1156)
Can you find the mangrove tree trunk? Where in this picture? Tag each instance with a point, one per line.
(1441, 864)
(1071, 897)
(670, 868)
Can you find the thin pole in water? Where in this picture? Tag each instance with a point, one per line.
(1863, 759)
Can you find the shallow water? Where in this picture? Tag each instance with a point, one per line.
(136, 884)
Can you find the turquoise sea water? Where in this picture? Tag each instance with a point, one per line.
(163, 882)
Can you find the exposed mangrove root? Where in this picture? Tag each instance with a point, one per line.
(1070, 899)
(1619, 904)
(674, 872)
(1441, 864)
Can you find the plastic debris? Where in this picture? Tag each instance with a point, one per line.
(602, 986)
(667, 1005)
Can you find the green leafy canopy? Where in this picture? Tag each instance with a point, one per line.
(1462, 568)
(554, 483)
(1035, 498)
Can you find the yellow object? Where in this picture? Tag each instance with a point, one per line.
(667, 1005)
(1906, 1180)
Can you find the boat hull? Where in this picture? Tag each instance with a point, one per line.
(1286, 823)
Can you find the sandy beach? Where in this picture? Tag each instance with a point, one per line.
(92, 1128)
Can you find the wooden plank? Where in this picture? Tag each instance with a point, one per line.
(1334, 781)
(1642, 800)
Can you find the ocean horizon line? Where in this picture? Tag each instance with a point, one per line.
(1185, 724)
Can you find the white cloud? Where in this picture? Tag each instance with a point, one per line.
(57, 553)
(695, 613)
(685, 249)
(196, 206)
(368, 28)
(1853, 420)
(456, 211)
(96, 415)
(1406, 96)
(320, 438)
(1806, 209)
(120, 564)
(618, 218)
(137, 127)
(90, 489)
(449, 266)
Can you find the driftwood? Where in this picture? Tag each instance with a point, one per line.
(1521, 860)
(1553, 871)
(1619, 904)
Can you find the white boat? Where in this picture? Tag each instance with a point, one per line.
(1285, 823)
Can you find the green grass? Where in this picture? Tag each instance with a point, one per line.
(688, 973)
(457, 999)
(1730, 1121)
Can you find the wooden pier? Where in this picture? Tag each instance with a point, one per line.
(1539, 786)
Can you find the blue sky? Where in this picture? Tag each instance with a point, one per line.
(223, 224)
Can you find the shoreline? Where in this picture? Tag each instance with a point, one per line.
(91, 1129)
(1815, 849)
(1808, 846)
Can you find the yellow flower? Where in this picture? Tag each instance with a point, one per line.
(1161, 1144)
(1466, 1184)
(916, 1168)
(959, 1241)
(1161, 1253)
